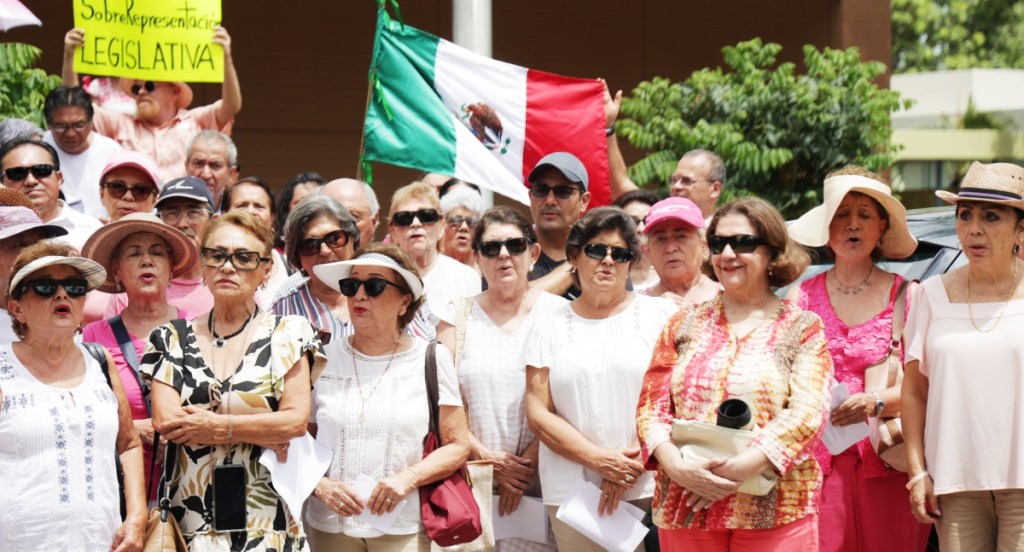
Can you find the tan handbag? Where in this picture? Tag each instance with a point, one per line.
(886, 434)
(163, 536)
(700, 441)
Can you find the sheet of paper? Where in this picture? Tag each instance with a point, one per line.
(838, 439)
(295, 479)
(529, 521)
(619, 532)
(363, 486)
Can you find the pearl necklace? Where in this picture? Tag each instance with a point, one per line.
(220, 341)
(359, 387)
(851, 290)
(1009, 296)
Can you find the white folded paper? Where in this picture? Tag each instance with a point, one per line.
(621, 531)
(295, 479)
(363, 486)
(838, 439)
(529, 521)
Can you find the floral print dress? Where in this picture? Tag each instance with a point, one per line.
(256, 387)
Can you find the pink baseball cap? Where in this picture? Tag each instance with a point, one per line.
(674, 208)
(134, 160)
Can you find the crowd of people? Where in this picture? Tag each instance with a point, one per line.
(574, 343)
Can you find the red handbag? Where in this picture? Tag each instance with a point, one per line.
(449, 513)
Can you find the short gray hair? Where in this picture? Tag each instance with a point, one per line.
(13, 128)
(309, 209)
(465, 197)
(371, 196)
(716, 169)
(214, 135)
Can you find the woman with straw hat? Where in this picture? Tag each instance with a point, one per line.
(964, 377)
(862, 498)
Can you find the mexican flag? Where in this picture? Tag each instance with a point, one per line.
(440, 108)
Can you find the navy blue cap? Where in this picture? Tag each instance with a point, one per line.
(188, 187)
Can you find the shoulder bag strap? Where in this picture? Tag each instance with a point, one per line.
(124, 341)
(430, 373)
(171, 449)
(898, 322)
(100, 354)
(462, 308)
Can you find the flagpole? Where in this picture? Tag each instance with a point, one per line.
(362, 133)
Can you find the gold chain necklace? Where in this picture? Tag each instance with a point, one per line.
(359, 386)
(851, 290)
(1009, 296)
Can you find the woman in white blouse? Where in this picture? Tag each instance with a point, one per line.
(585, 362)
(493, 327)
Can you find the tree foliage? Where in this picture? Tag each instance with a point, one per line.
(23, 88)
(778, 132)
(931, 35)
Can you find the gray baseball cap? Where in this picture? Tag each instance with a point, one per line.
(566, 163)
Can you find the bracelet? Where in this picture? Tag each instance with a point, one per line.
(231, 427)
(917, 478)
(416, 473)
(608, 131)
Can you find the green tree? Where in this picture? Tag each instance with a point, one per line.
(778, 132)
(931, 35)
(23, 88)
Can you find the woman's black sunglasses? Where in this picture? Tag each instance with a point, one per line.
(311, 246)
(598, 251)
(515, 246)
(148, 85)
(426, 216)
(373, 286)
(743, 243)
(47, 287)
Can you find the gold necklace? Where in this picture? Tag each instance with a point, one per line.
(851, 290)
(359, 386)
(1009, 296)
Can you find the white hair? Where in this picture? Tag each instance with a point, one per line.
(463, 196)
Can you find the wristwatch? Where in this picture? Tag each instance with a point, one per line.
(879, 404)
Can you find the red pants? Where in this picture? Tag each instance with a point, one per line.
(799, 536)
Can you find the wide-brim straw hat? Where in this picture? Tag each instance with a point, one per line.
(812, 228)
(101, 245)
(1001, 183)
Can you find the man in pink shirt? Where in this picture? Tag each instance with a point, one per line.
(163, 126)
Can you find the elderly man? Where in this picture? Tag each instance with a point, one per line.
(162, 125)
(360, 200)
(213, 157)
(82, 152)
(676, 249)
(558, 198)
(33, 168)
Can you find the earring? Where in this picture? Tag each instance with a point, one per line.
(79, 330)
(1016, 249)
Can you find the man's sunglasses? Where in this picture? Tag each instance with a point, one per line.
(150, 86)
(374, 286)
(47, 287)
(311, 246)
(515, 246)
(598, 252)
(139, 193)
(17, 174)
(743, 243)
(541, 191)
(405, 218)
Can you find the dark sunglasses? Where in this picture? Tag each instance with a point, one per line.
(17, 174)
(598, 252)
(743, 243)
(541, 191)
(46, 287)
(139, 193)
(311, 246)
(515, 246)
(242, 261)
(374, 286)
(405, 218)
(148, 85)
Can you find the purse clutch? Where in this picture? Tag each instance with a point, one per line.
(700, 441)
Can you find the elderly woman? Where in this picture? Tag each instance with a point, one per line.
(61, 422)
(675, 248)
(637, 203)
(584, 364)
(963, 377)
(371, 409)
(129, 184)
(462, 207)
(253, 194)
(863, 501)
(747, 344)
(140, 254)
(494, 326)
(227, 385)
(414, 217)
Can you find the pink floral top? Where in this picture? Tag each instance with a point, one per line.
(853, 349)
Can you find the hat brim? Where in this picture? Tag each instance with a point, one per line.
(184, 94)
(953, 199)
(332, 273)
(49, 230)
(101, 245)
(92, 271)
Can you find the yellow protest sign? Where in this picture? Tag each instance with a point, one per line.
(160, 40)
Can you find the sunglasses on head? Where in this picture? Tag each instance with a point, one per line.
(425, 216)
(743, 243)
(598, 252)
(373, 286)
(119, 189)
(334, 240)
(148, 85)
(515, 246)
(541, 191)
(17, 174)
(47, 287)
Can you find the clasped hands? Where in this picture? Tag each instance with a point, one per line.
(198, 427)
(513, 475)
(343, 500)
(705, 482)
(620, 469)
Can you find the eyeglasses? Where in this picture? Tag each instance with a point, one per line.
(598, 252)
(64, 127)
(685, 180)
(515, 246)
(374, 286)
(243, 261)
(47, 287)
(148, 85)
(456, 221)
(743, 243)
(172, 216)
(405, 218)
(135, 253)
(541, 191)
(17, 174)
(119, 189)
(311, 246)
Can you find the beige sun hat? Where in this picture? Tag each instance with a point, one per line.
(812, 228)
(994, 182)
(102, 243)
